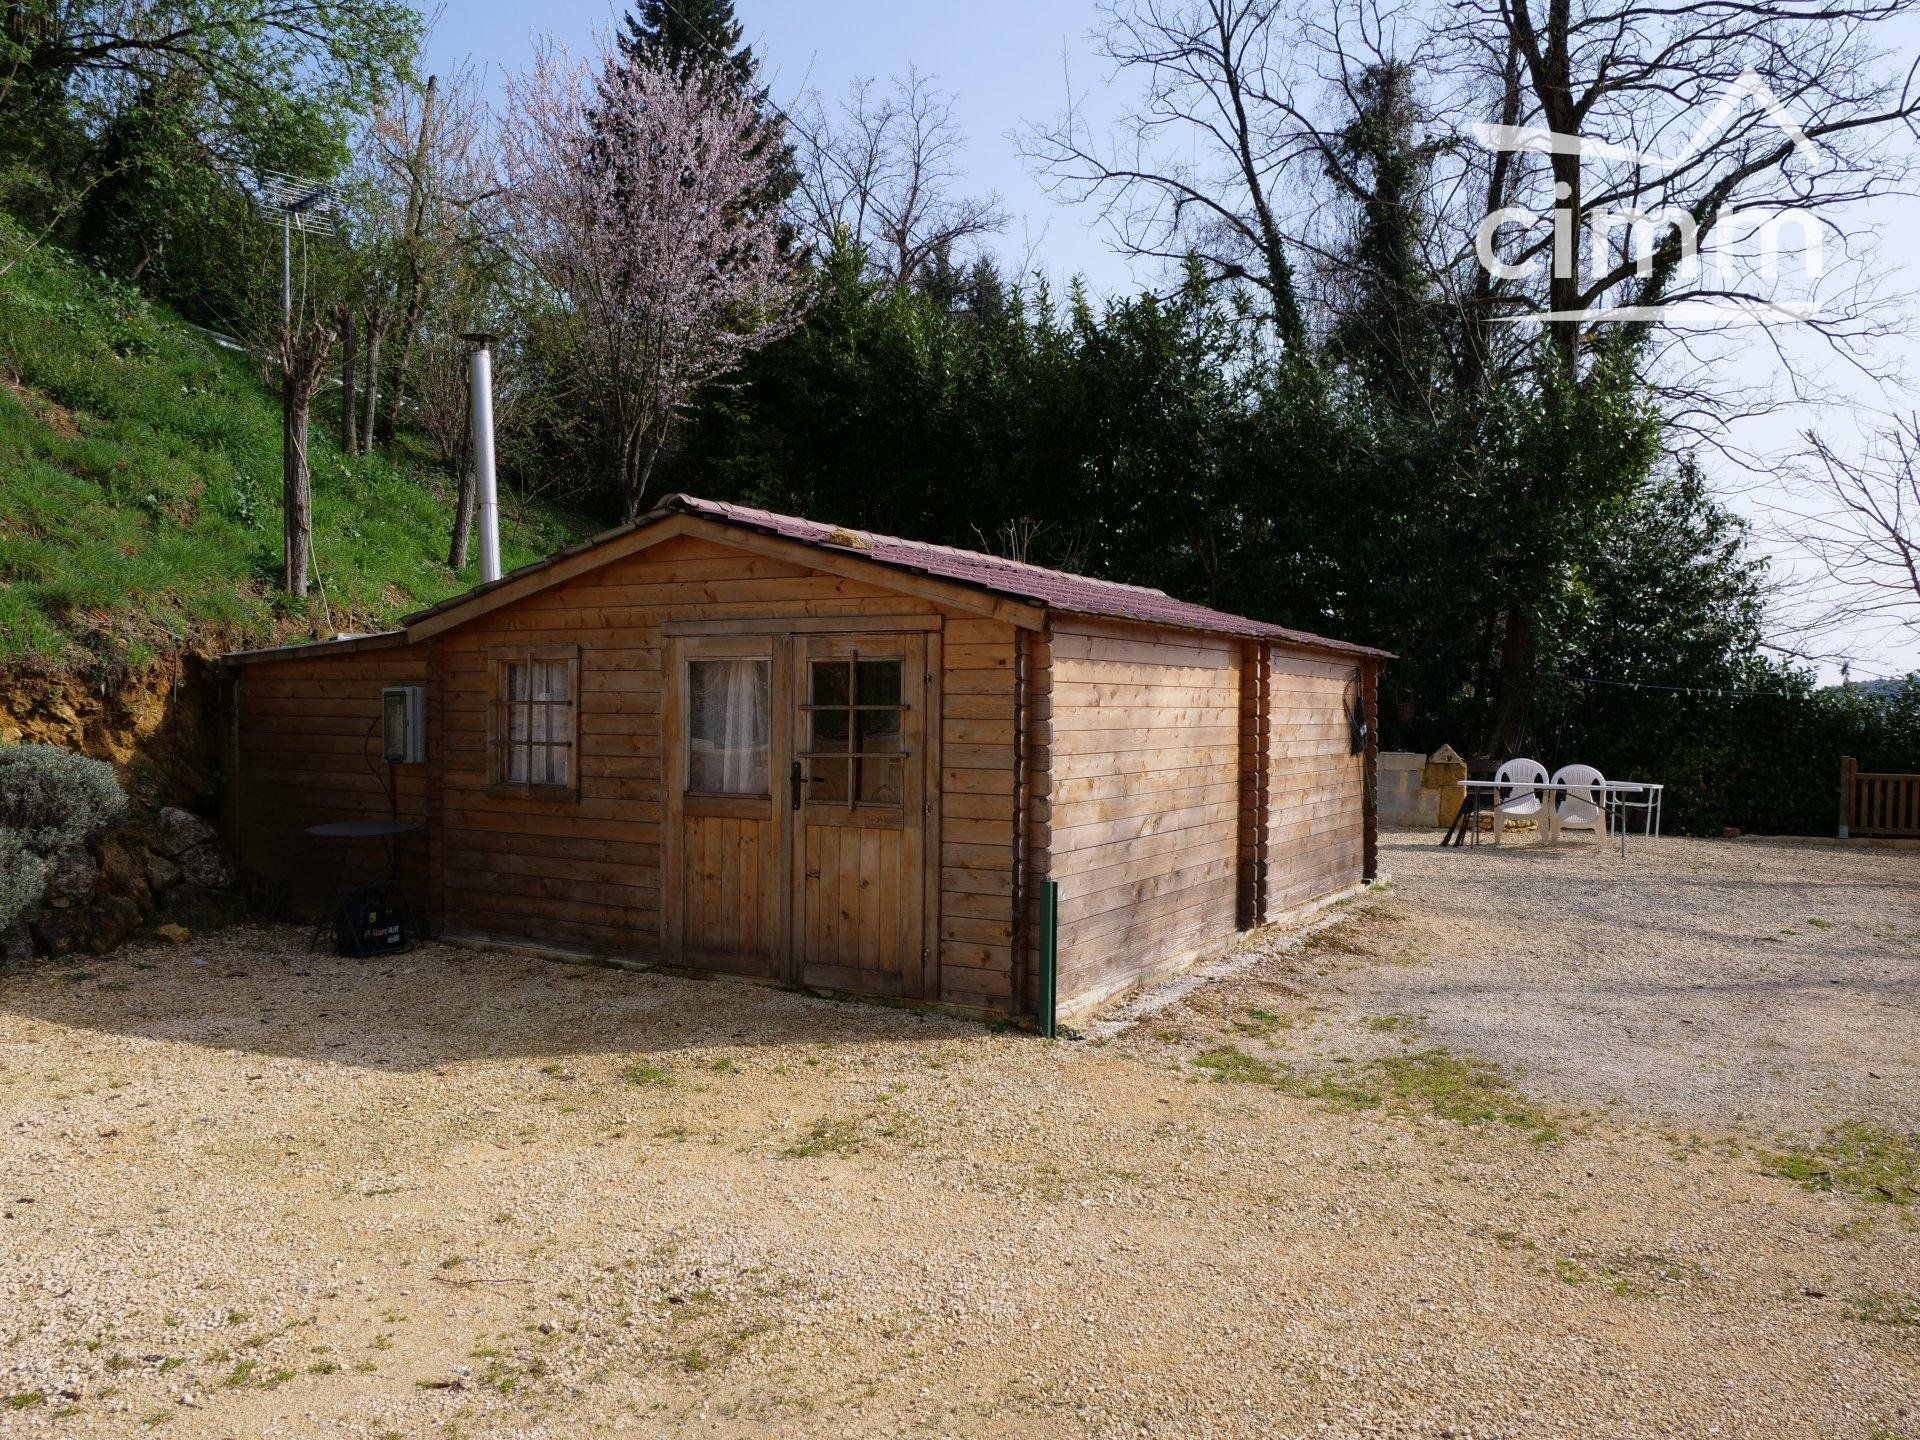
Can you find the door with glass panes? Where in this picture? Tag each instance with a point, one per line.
(723, 835)
(859, 811)
(794, 833)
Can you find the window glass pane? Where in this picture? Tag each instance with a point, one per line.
(830, 731)
(828, 782)
(879, 731)
(727, 726)
(879, 682)
(879, 781)
(830, 682)
(537, 708)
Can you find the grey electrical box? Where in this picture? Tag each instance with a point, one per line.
(403, 724)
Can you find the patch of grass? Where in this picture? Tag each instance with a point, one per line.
(1857, 1158)
(1261, 1023)
(826, 1136)
(638, 1074)
(142, 497)
(1880, 1308)
(1818, 923)
(1466, 1091)
(1463, 1090)
(21, 1399)
(1392, 1024)
(1571, 1272)
(1230, 1063)
(241, 1374)
(77, 977)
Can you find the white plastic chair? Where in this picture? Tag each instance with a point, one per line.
(1522, 801)
(1583, 804)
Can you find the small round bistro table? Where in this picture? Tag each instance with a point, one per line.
(345, 837)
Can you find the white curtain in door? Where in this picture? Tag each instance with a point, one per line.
(727, 729)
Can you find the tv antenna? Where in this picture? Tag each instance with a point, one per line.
(291, 202)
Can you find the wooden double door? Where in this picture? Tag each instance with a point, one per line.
(795, 829)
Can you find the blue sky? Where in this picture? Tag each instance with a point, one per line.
(1006, 63)
(1001, 59)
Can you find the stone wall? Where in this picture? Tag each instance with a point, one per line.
(1420, 792)
(168, 873)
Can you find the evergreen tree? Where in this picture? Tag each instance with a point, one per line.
(672, 32)
(1390, 326)
(666, 34)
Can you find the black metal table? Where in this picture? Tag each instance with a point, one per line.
(344, 835)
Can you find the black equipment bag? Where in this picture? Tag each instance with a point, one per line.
(365, 924)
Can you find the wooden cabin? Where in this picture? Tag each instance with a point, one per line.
(727, 740)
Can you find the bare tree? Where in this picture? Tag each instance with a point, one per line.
(422, 171)
(883, 170)
(343, 322)
(376, 318)
(1606, 163)
(1864, 524)
(1209, 160)
(302, 359)
(1615, 181)
(633, 192)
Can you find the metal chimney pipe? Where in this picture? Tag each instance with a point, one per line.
(486, 493)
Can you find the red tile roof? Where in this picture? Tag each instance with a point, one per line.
(1014, 579)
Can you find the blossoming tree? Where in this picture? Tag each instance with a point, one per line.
(635, 192)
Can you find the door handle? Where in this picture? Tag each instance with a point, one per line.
(796, 784)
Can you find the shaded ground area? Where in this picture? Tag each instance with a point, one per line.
(467, 1195)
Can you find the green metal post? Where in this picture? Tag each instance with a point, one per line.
(1049, 956)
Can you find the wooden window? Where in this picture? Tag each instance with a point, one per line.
(854, 755)
(728, 723)
(534, 730)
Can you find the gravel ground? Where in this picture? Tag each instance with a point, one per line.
(253, 1193)
(1730, 984)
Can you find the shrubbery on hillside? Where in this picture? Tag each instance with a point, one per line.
(51, 801)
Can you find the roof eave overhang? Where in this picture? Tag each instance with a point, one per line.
(345, 645)
(668, 523)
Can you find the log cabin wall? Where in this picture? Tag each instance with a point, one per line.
(1179, 785)
(307, 748)
(976, 839)
(584, 873)
(1145, 803)
(1316, 784)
